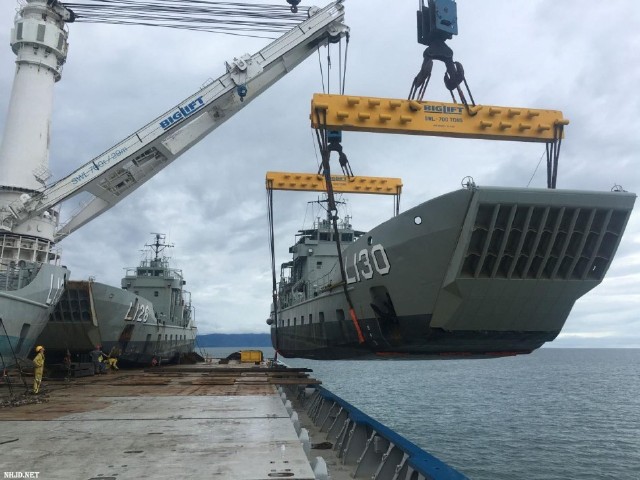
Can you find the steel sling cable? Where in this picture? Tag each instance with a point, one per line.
(346, 56)
(342, 73)
(321, 72)
(326, 171)
(340, 87)
(243, 19)
(553, 155)
(557, 141)
(274, 285)
(328, 66)
(549, 168)
(535, 170)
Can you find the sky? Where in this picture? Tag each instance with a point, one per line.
(211, 202)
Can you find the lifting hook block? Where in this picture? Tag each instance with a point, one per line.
(242, 91)
(294, 5)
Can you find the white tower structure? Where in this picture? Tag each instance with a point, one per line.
(39, 40)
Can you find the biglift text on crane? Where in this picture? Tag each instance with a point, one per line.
(182, 112)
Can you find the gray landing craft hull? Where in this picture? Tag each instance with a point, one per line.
(149, 317)
(25, 308)
(484, 272)
(92, 313)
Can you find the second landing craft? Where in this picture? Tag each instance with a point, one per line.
(476, 272)
(149, 317)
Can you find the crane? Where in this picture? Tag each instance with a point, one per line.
(127, 165)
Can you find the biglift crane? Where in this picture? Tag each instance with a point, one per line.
(126, 166)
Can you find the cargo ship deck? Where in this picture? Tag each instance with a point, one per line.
(197, 421)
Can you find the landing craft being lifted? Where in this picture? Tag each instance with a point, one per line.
(479, 272)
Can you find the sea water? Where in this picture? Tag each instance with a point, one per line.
(553, 414)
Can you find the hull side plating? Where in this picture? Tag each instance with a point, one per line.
(28, 294)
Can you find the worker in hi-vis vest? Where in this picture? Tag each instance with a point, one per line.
(38, 368)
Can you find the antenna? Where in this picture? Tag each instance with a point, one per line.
(159, 245)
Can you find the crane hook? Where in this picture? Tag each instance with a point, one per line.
(294, 5)
(242, 91)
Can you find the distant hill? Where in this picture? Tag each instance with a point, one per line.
(234, 340)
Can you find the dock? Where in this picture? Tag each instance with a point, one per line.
(201, 421)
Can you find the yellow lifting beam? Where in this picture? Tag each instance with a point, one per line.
(387, 115)
(313, 182)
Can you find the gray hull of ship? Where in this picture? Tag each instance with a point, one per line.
(492, 271)
(25, 311)
(92, 313)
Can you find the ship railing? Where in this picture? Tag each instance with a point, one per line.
(291, 294)
(14, 276)
(364, 446)
(8, 281)
(27, 249)
(284, 300)
(171, 274)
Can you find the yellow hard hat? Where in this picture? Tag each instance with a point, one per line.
(39, 347)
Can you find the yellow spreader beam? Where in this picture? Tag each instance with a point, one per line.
(312, 182)
(387, 115)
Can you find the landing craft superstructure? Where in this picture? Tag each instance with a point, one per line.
(150, 316)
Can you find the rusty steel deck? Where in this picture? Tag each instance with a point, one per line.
(196, 421)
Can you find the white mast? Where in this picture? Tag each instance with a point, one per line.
(39, 40)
